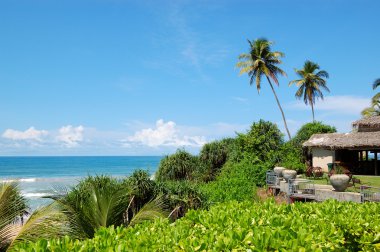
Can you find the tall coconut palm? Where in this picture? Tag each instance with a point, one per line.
(311, 83)
(260, 62)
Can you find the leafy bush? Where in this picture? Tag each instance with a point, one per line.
(307, 130)
(261, 142)
(241, 227)
(292, 157)
(179, 166)
(141, 187)
(214, 155)
(237, 181)
(181, 196)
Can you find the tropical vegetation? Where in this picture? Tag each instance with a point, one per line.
(205, 202)
(245, 226)
(225, 170)
(311, 82)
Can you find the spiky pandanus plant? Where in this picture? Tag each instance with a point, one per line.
(260, 62)
(311, 83)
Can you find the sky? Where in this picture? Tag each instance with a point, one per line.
(115, 77)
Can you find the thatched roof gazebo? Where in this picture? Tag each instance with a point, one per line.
(358, 149)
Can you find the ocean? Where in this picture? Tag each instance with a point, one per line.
(40, 176)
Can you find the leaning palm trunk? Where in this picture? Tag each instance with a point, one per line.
(312, 110)
(279, 106)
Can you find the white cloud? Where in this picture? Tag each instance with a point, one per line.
(29, 134)
(164, 134)
(344, 104)
(70, 136)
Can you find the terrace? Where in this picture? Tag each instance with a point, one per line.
(310, 189)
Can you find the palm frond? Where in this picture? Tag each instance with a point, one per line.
(46, 222)
(150, 211)
(323, 74)
(300, 92)
(376, 84)
(13, 209)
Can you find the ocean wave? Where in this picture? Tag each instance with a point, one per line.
(19, 180)
(28, 180)
(35, 195)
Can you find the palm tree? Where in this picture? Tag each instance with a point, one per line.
(376, 83)
(260, 62)
(311, 82)
(102, 201)
(374, 110)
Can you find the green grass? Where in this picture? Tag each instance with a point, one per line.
(369, 180)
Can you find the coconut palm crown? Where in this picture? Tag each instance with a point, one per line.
(260, 62)
(374, 110)
(376, 84)
(311, 83)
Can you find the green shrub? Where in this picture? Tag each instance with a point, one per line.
(261, 142)
(182, 195)
(237, 181)
(327, 226)
(308, 129)
(291, 157)
(214, 155)
(141, 187)
(178, 166)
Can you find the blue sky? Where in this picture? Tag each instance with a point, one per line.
(114, 77)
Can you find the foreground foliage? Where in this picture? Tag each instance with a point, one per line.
(264, 226)
(12, 208)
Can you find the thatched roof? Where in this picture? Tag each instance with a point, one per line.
(367, 124)
(355, 140)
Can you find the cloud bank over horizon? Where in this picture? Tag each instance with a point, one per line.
(164, 134)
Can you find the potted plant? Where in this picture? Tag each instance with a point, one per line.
(338, 179)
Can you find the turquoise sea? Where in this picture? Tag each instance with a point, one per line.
(40, 176)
